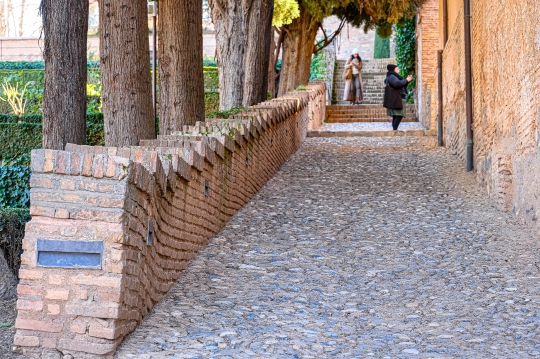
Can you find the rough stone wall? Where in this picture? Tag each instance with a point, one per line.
(506, 101)
(427, 30)
(181, 188)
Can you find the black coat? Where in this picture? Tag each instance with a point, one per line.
(395, 91)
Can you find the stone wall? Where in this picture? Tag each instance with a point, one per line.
(427, 31)
(506, 102)
(147, 209)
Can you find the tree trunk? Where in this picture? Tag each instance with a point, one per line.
(230, 50)
(272, 68)
(65, 27)
(21, 20)
(181, 80)
(297, 52)
(3, 19)
(125, 72)
(259, 35)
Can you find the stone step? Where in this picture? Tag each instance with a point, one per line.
(374, 119)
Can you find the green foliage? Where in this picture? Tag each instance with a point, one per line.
(285, 11)
(318, 67)
(12, 223)
(34, 82)
(226, 113)
(382, 47)
(14, 186)
(20, 135)
(211, 78)
(209, 61)
(211, 103)
(405, 37)
(35, 65)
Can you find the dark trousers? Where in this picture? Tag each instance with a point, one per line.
(396, 120)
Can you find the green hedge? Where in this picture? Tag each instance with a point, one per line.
(20, 135)
(35, 65)
(12, 223)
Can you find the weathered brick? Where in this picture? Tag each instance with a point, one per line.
(56, 279)
(57, 294)
(31, 305)
(37, 160)
(29, 290)
(42, 211)
(53, 309)
(63, 162)
(100, 281)
(86, 347)
(67, 184)
(95, 311)
(38, 325)
(48, 166)
(49, 343)
(26, 341)
(61, 213)
(76, 163)
(88, 161)
(30, 274)
(78, 327)
(98, 166)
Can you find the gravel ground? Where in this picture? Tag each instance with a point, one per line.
(357, 248)
(7, 331)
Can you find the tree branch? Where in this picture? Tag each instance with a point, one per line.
(327, 41)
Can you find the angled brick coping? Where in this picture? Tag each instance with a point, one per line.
(150, 208)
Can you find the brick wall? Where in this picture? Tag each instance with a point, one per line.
(506, 102)
(427, 31)
(182, 188)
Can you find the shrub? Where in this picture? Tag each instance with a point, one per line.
(406, 52)
(317, 69)
(12, 223)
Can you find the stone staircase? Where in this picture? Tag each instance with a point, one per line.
(373, 76)
(368, 119)
(364, 113)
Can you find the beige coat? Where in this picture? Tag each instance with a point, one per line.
(350, 87)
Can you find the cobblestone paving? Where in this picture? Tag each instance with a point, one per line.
(357, 248)
(369, 126)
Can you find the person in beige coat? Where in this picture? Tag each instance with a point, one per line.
(354, 88)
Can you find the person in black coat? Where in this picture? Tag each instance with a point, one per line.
(395, 93)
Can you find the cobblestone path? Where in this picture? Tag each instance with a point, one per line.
(357, 248)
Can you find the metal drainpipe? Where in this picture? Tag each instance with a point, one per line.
(445, 21)
(440, 99)
(468, 84)
(154, 52)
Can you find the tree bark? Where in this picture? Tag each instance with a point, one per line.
(125, 72)
(229, 22)
(297, 52)
(65, 27)
(181, 79)
(243, 33)
(259, 35)
(272, 68)
(21, 20)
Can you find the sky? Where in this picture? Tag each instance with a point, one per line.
(31, 19)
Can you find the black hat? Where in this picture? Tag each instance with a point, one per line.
(391, 67)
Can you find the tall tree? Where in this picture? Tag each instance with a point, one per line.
(181, 80)
(65, 27)
(3, 19)
(125, 72)
(301, 33)
(243, 34)
(21, 19)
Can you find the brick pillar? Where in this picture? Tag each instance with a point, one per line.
(427, 32)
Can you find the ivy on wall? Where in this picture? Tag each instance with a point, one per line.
(405, 38)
